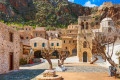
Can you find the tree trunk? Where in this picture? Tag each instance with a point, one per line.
(62, 61)
(50, 64)
(109, 60)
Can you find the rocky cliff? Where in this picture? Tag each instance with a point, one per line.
(42, 12)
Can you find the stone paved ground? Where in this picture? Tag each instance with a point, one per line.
(30, 71)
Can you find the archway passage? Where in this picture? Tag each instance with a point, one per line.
(56, 54)
(74, 52)
(84, 56)
(37, 54)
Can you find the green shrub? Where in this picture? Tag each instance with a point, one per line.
(23, 61)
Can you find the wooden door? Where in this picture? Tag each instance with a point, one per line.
(85, 57)
(11, 62)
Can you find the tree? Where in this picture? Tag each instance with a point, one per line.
(47, 53)
(63, 54)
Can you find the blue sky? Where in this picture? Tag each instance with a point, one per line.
(92, 3)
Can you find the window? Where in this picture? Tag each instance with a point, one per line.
(84, 44)
(21, 37)
(82, 25)
(43, 44)
(40, 34)
(27, 37)
(11, 37)
(29, 28)
(26, 29)
(57, 44)
(66, 47)
(64, 41)
(69, 41)
(86, 25)
(96, 23)
(36, 34)
(52, 44)
(35, 44)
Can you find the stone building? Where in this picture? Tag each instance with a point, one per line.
(25, 37)
(69, 45)
(37, 44)
(55, 43)
(39, 32)
(72, 31)
(52, 34)
(9, 49)
(84, 39)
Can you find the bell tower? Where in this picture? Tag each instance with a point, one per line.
(84, 39)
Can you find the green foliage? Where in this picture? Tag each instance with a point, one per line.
(23, 61)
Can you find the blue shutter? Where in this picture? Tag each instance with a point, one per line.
(52, 44)
(35, 44)
(43, 44)
(57, 44)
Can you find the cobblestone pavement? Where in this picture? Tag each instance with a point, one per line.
(30, 71)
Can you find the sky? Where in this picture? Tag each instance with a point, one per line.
(92, 3)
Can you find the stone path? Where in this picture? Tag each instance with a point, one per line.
(30, 71)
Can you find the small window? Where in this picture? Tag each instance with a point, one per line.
(84, 44)
(21, 37)
(96, 23)
(43, 44)
(64, 41)
(26, 29)
(40, 34)
(69, 41)
(27, 37)
(36, 34)
(52, 44)
(35, 44)
(57, 44)
(11, 37)
(86, 25)
(82, 25)
(29, 28)
(65, 47)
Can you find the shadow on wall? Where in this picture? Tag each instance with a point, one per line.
(26, 74)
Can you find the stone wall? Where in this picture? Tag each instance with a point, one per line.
(6, 47)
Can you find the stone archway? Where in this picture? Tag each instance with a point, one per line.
(37, 54)
(85, 56)
(74, 52)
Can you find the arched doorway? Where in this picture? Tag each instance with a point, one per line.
(84, 56)
(56, 54)
(37, 54)
(74, 52)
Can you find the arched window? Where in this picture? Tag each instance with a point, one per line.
(82, 25)
(86, 25)
(43, 44)
(84, 44)
(35, 44)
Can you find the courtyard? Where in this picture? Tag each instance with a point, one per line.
(76, 71)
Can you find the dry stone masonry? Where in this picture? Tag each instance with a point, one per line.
(9, 49)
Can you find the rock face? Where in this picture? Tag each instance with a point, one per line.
(9, 49)
(42, 12)
(108, 10)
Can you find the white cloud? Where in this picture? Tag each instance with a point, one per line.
(88, 4)
(71, 0)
